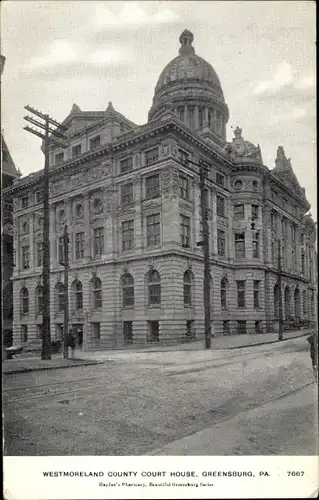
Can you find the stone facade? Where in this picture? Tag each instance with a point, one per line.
(130, 197)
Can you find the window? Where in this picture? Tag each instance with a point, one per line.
(239, 245)
(25, 301)
(272, 220)
(220, 179)
(183, 157)
(220, 205)
(98, 236)
(201, 117)
(95, 142)
(190, 332)
(39, 196)
(26, 257)
(59, 158)
(223, 293)
(183, 187)
(257, 327)
(127, 235)
(78, 295)
(273, 257)
(302, 262)
(256, 245)
(181, 114)
(241, 294)
(302, 238)
(187, 288)
(238, 184)
(39, 298)
(226, 328)
(24, 333)
(241, 327)
(61, 249)
(305, 302)
(184, 230)
(128, 290)
(25, 227)
(76, 150)
(153, 331)
(256, 294)
(127, 194)
(218, 122)
(221, 242)
(154, 288)
(293, 233)
(152, 186)
(97, 293)
(25, 202)
(96, 331)
(254, 212)
(191, 117)
(39, 254)
(128, 332)
(151, 156)
(79, 245)
(126, 165)
(61, 296)
(153, 230)
(239, 212)
(39, 331)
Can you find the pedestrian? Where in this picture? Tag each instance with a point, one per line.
(313, 341)
(71, 342)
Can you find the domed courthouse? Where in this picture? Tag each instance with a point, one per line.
(130, 197)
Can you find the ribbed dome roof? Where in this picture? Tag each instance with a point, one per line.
(188, 66)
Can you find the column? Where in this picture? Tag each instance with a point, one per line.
(196, 117)
(206, 116)
(185, 115)
(87, 235)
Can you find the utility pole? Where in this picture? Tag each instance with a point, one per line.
(66, 293)
(205, 244)
(280, 335)
(54, 128)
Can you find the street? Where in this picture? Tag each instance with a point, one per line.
(258, 400)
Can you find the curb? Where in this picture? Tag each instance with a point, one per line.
(45, 368)
(268, 342)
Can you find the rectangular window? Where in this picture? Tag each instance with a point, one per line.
(239, 245)
(272, 220)
(59, 158)
(79, 245)
(127, 235)
(128, 332)
(126, 165)
(190, 332)
(95, 142)
(239, 212)
(221, 242)
(76, 150)
(241, 327)
(273, 257)
(254, 212)
(183, 187)
(220, 206)
(24, 202)
(39, 331)
(152, 186)
(24, 333)
(26, 257)
(153, 331)
(39, 196)
(151, 156)
(96, 331)
(39, 254)
(183, 157)
(98, 237)
(302, 239)
(226, 328)
(184, 230)
(241, 294)
(257, 327)
(127, 194)
(61, 250)
(256, 245)
(220, 179)
(256, 294)
(153, 230)
(293, 233)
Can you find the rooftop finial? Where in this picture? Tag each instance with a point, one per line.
(186, 40)
(238, 132)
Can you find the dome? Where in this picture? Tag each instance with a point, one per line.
(189, 80)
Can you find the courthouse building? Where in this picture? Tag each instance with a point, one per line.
(130, 196)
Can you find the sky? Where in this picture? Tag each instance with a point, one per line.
(92, 52)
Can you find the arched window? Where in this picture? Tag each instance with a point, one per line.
(25, 300)
(97, 293)
(128, 290)
(39, 297)
(154, 288)
(276, 300)
(223, 293)
(287, 302)
(187, 288)
(60, 288)
(305, 302)
(78, 294)
(297, 303)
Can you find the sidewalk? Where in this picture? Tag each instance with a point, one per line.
(24, 365)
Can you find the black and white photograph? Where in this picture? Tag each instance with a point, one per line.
(159, 249)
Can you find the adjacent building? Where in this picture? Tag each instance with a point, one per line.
(130, 197)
